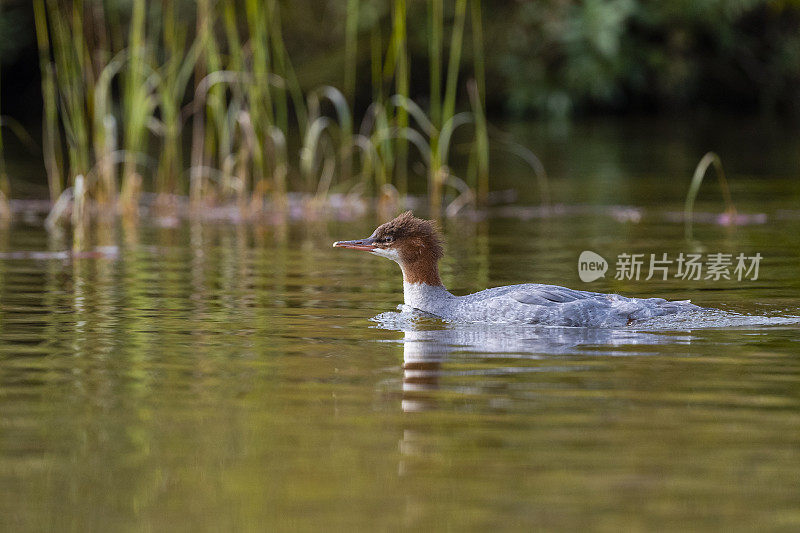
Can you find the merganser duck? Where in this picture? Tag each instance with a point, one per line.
(416, 246)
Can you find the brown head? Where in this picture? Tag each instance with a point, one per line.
(413, 242)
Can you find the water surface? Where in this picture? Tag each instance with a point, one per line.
(212, 376)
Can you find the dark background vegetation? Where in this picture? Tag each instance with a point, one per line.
(549, 57)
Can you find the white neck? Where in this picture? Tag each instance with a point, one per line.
(422, 296)
(428, 298)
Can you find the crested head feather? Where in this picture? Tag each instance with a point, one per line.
(417, 244)
(416, 237)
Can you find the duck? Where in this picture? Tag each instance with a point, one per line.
(417, 246)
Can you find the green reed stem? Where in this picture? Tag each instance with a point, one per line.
(105, 128)
(71, 88)
(259, 94)
(283, 67)
(51, 141)
(351, 50)
(435, 32)
(279, 67)
(137, 104)
(435, 39)
(176, 71)
(198, 119)
(456, 43)
(173, 36)
(221, 137)
(478, 99)
(437, 173)
(402, 83)
(708, 160)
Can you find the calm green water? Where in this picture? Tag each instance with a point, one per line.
(210, 377)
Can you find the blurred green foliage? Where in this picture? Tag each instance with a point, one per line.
(557, 57)
(615, 54)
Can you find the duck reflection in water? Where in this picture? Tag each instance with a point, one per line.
(427, 353)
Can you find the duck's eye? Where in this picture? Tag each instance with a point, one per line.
(388, 238)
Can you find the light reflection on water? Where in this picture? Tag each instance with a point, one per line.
(214, 376)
